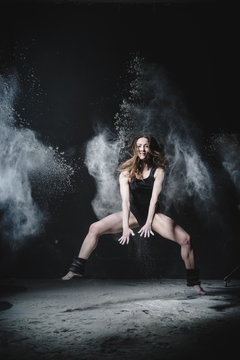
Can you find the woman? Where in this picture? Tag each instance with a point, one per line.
(141, 179)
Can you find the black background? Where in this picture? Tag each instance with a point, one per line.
(78, 54)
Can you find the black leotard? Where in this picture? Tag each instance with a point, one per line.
(140, 196)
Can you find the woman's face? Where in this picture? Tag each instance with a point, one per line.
(142, 148)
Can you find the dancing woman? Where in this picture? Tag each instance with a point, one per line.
(141, 180)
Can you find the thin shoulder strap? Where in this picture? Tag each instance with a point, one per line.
(152, 172)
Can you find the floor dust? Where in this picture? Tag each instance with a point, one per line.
(117, 319)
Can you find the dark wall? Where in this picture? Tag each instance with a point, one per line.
(71, 60)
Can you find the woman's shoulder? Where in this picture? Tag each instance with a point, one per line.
(124, 175)
(158, 172)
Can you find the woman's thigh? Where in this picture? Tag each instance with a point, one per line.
(167, 228)
(112, 224)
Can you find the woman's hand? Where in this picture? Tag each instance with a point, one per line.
(125, 236)
(146, 230)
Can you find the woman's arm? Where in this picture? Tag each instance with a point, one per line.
(125, 195)
(157, 187)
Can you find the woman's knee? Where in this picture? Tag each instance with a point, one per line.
(185, 240)
(94, 228)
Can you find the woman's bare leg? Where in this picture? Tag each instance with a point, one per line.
(111, 224)
(168, 229)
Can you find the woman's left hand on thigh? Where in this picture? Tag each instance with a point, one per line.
(146, 230)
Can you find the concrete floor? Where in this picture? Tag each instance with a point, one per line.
(118, 319)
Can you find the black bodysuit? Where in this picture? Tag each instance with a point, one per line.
(140, 196)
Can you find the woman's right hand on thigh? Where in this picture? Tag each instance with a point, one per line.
(125, 236)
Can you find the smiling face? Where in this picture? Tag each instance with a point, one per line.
(142, 148)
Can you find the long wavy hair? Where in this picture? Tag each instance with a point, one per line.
(155, 157)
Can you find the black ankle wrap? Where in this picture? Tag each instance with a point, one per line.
(193, 277)
(78, 266)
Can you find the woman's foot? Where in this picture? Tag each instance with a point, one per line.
(70, 275)
(76, 270)
(199, 290)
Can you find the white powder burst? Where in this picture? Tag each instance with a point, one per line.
(228, 147)
(102, 157)
(23, 160)
(152, 106)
